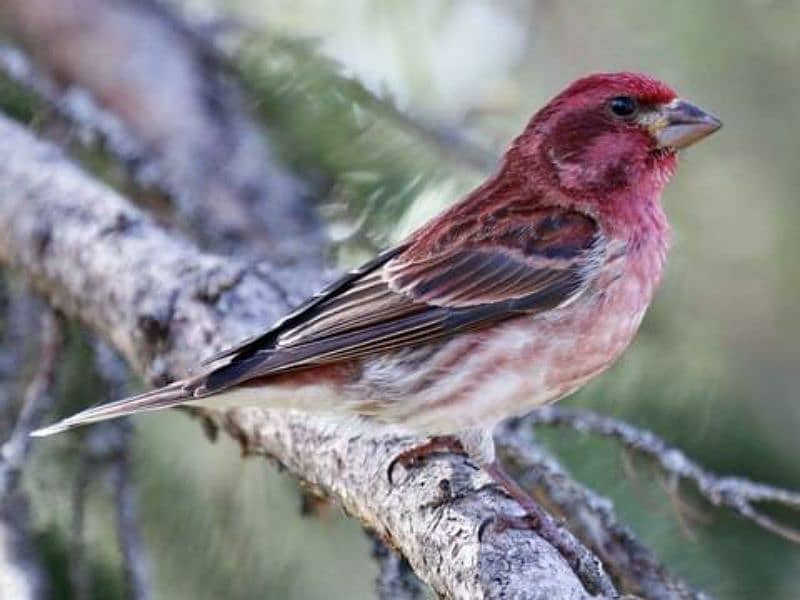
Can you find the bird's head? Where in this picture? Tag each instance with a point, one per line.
(609, 132)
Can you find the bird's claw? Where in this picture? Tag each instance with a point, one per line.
(414, 456)
(501, 523)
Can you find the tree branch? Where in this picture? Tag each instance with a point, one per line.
(165, 305)
(735, 493)
(188, 134)
(136, 565)
(116, 454)
(38, 401)
(589, 516)
(395, 580)
(20, 576)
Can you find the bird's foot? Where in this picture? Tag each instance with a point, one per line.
(535, 518)
(583, 563)
(414, 456)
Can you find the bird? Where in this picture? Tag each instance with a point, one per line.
(513, 298)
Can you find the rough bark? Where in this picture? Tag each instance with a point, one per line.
(188, 134)
(164, 305)
(396, 580)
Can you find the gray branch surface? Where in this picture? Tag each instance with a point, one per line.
(164, 305)
(190, 135)
(396, 580)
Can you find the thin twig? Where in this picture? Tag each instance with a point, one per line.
(38, 400)
(736, 493)
(19, 345)
(78, 562)
(589, 516)
(671, 484)
(113, 452)
(90, 122)
(21, 572)
(135, 561)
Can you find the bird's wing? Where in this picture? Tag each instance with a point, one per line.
(267, 339)
(467, 275)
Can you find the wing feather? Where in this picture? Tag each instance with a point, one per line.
(263, 340)
(419, 293)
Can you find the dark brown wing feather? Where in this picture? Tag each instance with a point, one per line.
(426, 291)
(260, 341)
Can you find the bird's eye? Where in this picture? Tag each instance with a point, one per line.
(623, 107)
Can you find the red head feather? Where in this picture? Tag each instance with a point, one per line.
(575, 154)
(578, 150)
(644, 88)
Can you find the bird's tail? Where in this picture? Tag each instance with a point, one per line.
(165, 397)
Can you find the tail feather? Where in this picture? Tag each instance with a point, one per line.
(165, 397)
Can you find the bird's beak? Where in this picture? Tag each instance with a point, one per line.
(681, 124)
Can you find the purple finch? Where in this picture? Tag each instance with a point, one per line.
(515, 297)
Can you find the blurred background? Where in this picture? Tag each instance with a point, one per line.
(714, 371)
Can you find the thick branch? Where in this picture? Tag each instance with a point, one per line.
(187, 134)
(165, 305)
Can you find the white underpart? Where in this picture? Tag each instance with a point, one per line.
(313, 398)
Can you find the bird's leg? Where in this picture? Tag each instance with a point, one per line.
(478, 444)
(535, 517)
(584, 564)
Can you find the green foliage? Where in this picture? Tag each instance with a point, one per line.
(55, 552)
(16, 102)
(374, 160)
